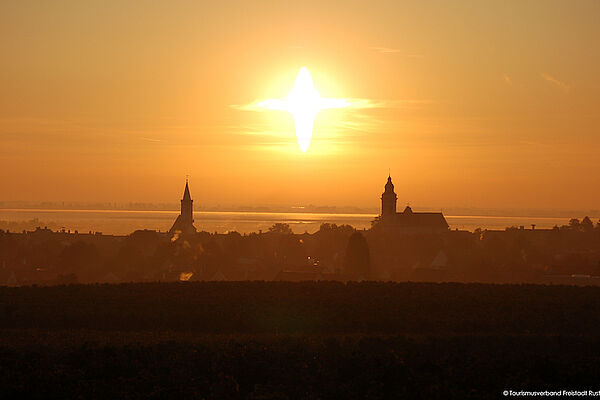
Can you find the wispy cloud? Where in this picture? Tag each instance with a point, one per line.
(549, 78)
(507, 79)
(274, 104)
(386, 50)
(147, 139)
(390, 50)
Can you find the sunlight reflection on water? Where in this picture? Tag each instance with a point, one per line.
(121, 222)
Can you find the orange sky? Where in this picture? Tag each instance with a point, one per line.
(481, 104)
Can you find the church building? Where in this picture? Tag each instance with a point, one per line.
(185, 220)
(408, 221)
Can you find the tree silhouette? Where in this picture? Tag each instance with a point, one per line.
(574, 223)
(357, 259)
(281, 228)
(587, 224)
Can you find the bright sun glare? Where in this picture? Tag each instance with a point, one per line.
(304, 102)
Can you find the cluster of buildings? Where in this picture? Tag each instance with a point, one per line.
(405, 245)
(407, 221)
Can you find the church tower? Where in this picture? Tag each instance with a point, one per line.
(388, 200)
(187, 204)
(185, 221)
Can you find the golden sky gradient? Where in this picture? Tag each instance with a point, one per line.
(482, 104)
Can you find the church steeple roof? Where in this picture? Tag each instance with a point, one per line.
(186, 192)
(389, 186)
(185, 220)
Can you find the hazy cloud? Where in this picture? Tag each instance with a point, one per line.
(389, 50)
(386, 50)
(507, 79)
(147, 139)
(358, 123)
(273, 104)
(556, 82)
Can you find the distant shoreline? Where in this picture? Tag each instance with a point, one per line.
(496, 214)
(124, 222)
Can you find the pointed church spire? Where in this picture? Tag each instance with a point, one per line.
(186, 192)
(185, 221)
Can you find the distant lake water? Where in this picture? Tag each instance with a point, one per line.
(122, 222)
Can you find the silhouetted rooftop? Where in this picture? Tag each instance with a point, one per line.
(429, 219)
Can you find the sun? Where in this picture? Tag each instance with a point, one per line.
(304, 103)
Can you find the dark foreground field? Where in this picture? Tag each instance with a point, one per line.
(297, 340)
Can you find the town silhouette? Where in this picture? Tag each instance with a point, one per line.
(400, 246)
